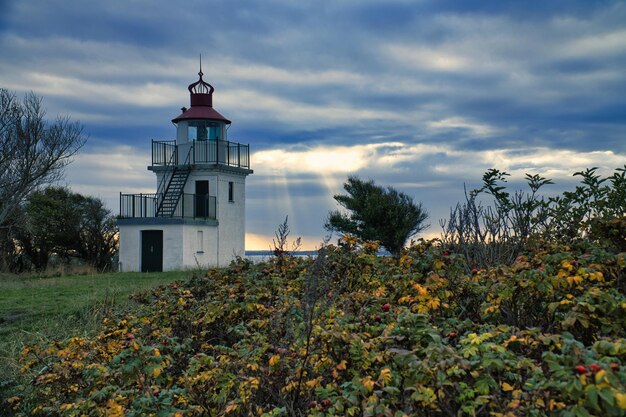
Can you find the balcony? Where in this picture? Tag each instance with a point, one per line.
(190, 206)
(220, 152)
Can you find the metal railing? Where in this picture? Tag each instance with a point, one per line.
(164, 152)
(203, 152)
(192, 206)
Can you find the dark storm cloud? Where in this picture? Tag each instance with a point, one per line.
(422, 95)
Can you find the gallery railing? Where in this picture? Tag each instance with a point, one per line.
(194, 206)
(202, 152)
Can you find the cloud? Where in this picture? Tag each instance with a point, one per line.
(420, 95)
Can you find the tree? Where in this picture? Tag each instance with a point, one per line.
(68, 225)
(377, 213)
(98, 234)
(33, 152)
(51, 226)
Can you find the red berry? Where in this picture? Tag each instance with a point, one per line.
(130, 336)
(386, 307)
(594, 368)
(614, 366)
(580, 369)
(325, 403)
(445, 253)
(377, 318)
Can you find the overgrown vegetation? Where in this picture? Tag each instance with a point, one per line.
(52, 305)
(351, 333)
(489, 235)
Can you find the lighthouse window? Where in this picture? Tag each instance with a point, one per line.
(200, 242)
(231, 193)
(202, 130)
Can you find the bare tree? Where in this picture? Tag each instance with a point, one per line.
(33, 152)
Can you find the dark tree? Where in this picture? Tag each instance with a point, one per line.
(68, 225)
(51, 225)
(98, 234)
(377, 213)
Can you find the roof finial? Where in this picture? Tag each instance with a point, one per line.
(200, 86)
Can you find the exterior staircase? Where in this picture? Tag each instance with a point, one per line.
(173, 191)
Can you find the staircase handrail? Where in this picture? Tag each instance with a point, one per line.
(161, 187)
(161, 195)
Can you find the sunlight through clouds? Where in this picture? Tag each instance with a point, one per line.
(421, 96)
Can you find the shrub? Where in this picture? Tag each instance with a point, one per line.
(498, 234)
(354, 334)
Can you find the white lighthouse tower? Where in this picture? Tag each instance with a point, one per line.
(197, 215)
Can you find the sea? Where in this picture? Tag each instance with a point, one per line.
(258, 256)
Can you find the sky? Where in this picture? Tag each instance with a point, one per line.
(423, 96)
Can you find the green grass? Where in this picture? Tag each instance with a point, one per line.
(39, 308)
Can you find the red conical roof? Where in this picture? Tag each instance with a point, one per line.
(201, 103)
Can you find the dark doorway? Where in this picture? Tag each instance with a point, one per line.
(202, 198)
(151, 251)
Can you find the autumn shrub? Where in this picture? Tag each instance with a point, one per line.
(497, 234)
(351, 333)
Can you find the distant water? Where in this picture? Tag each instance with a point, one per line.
(257, 256)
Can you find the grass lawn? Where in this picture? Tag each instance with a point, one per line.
(35, 308)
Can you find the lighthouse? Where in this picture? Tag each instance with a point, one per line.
(196, 217)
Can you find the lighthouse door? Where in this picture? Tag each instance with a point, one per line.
(151, 250)
(202, 198)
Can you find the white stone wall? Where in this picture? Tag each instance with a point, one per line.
(130, 248)
(181, 247)
(231, 216)
(196, 254)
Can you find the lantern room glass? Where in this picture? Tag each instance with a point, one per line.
(202, 130)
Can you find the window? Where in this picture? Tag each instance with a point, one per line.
(200, 243)
(231, 196)
(202, 130)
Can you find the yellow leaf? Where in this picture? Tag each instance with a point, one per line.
(368, 383)
(156, 372)
(254, 382)
(405, 299)
(620, 398)
(576, 279)
(274, 360)
(313, 383)
(381, 291)
(514, 404)
(420, 290)
(230, 407)
(433, 303)
(135, 346)
(566, 265)
(506, 387)
(341, 366)
(385, 375)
